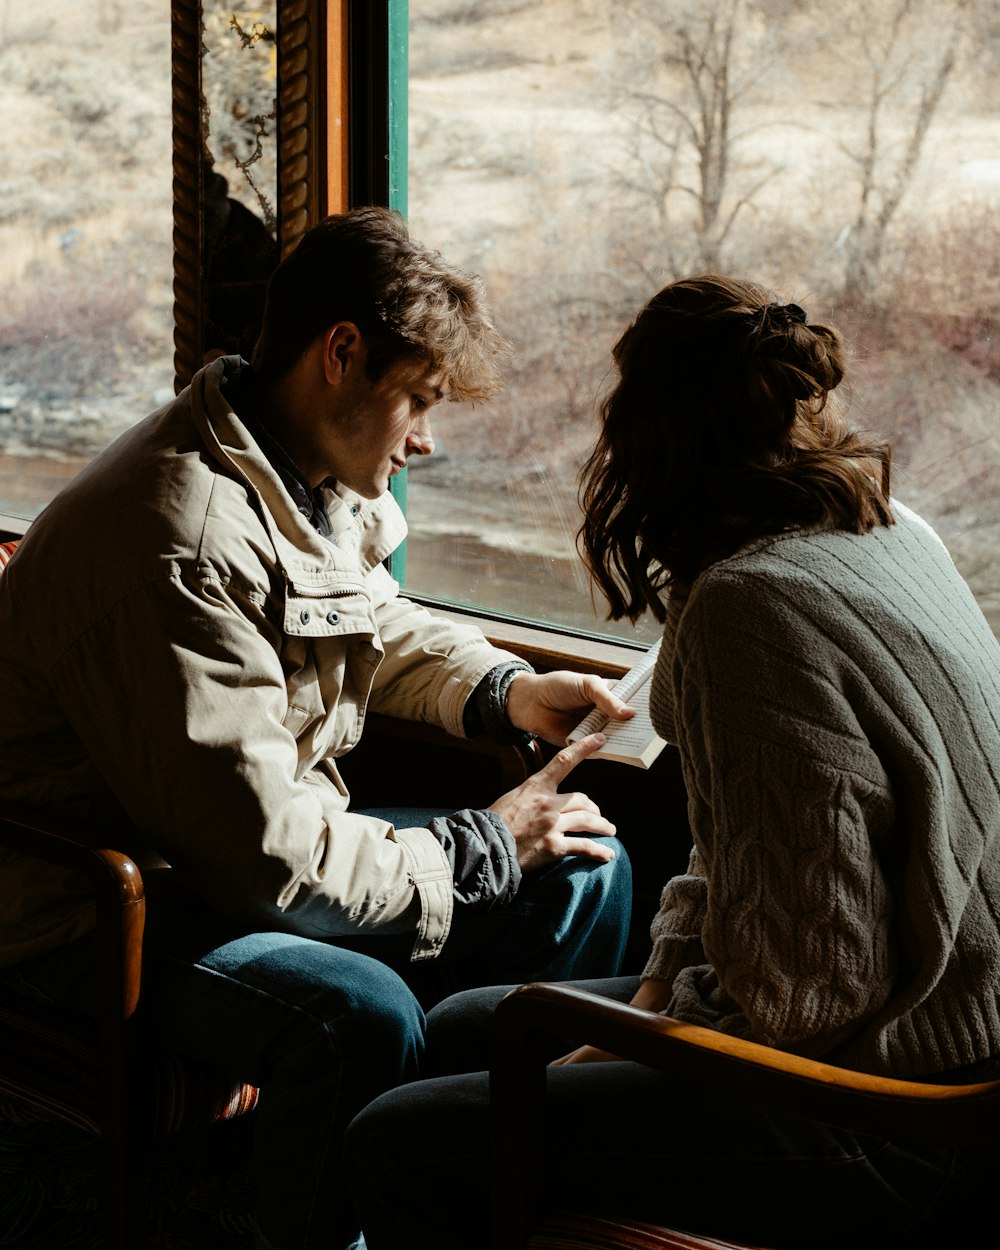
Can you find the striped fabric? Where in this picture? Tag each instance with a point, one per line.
(570, 1231)
(186, 1095)
(6, 551)
(50, 1060)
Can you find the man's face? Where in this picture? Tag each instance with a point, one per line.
(375, 426)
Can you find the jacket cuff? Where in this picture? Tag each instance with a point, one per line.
(482, 854)
(432, 879)
(485, 714)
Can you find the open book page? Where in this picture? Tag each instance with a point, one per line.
(632, 741)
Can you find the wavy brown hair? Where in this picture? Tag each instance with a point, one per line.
(720, 429)
(362, 266)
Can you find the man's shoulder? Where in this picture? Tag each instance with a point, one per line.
(153, 504)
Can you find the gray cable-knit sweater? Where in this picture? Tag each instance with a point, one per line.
(836, 702)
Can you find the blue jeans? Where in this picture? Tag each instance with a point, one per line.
(622, 1138)
(324, 1027)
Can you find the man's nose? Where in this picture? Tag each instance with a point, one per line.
(420, 441)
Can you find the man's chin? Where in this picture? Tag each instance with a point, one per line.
(369, 489)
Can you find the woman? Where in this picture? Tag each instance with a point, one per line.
(834, 692)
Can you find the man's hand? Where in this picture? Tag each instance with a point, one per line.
(553, 704)
(540, 817)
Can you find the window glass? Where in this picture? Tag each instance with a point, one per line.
(580, 155)
(86, 340)
(86, 327)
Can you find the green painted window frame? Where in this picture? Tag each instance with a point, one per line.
(398, 83)
(379, 45)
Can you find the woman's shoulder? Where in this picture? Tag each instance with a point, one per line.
(832, 592)
(826, 555)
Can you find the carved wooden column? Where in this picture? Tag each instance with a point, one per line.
(188, 159)
(312, 107)
(302, 118)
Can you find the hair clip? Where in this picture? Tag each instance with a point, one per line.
(777, 316)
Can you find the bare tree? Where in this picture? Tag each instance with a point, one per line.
(691, 78)
(109, 16)
(907, 51)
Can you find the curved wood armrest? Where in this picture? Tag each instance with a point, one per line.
(56, 842)
(118, 891)
(856, 1101)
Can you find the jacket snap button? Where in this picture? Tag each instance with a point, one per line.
(333, 617)
(304, 616)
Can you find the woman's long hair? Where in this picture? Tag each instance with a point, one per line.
(719, 430)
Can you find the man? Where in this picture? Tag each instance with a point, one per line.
(191, 635)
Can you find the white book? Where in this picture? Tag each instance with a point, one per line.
(632, 741)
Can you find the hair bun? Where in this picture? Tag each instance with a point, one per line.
(776, 317)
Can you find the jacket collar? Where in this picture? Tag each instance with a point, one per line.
(363, 531)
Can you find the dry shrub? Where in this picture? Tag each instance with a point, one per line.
(947, 275)
(65, 332)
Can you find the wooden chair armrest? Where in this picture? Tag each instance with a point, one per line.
(118, 892)
(527, 1019)
(857, 1101)
(56, 842)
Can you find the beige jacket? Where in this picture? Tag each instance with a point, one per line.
(175, 634)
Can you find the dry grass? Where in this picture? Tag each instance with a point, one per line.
(517, 159)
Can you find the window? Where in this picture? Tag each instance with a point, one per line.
(86, 322)
(86, 331)
(580, 155)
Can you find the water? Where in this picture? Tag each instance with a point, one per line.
(459, 567)
(27, 483)
(549, 589)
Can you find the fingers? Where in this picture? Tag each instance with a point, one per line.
(600, 694)
(584, 822)
(579, 802)
(564, 761)
(584, 1054)
(600, 851)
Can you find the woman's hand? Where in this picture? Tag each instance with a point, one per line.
(542, 820)
(651, 995)
(553, 704)
(585, 1054)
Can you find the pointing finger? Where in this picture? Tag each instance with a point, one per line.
(564, 761)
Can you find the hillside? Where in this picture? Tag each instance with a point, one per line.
(528, 154)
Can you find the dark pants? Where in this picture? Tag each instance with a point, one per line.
(624, 1138)
(323, 1028)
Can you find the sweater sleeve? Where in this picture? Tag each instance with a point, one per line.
(788, 806)
(677, 927)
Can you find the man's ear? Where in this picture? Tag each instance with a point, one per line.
(343, 350)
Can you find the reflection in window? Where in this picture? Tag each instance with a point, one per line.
(239, 71)
(580, 155)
